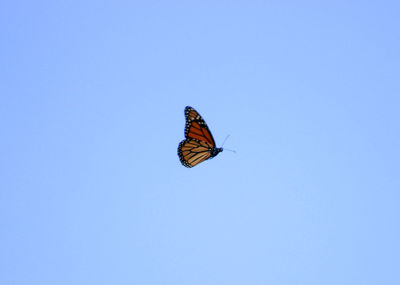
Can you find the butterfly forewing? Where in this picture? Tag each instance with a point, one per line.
(196, 127)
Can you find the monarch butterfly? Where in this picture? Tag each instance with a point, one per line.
(199, 144)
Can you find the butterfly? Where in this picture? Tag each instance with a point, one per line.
(199, 144)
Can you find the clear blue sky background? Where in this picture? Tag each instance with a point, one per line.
(92, 96)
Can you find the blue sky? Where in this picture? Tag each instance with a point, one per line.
(91, 114)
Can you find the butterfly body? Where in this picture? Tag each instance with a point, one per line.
(215, 151)
(199, 144)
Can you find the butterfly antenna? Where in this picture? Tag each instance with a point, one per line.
(225, 140)
(224, 143)
(234, 151)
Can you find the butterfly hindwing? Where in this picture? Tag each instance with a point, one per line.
(191, 152)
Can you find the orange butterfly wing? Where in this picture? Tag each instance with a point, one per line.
(196, 127)
(199, 144)
(191, 152)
